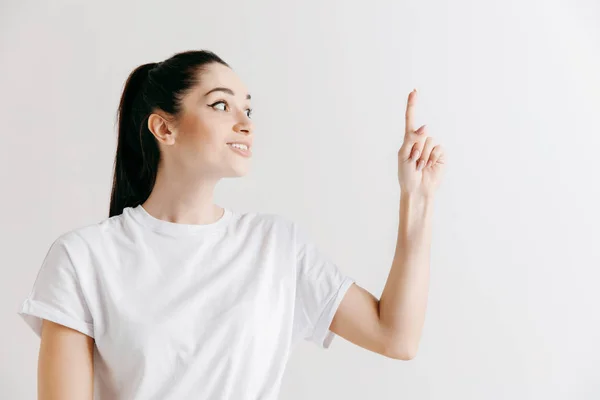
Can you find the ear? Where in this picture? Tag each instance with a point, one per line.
(161, 129)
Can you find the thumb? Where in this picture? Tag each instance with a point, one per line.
(411, 142)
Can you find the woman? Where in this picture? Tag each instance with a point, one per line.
(176, 297)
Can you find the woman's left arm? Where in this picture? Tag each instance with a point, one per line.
(392, 325)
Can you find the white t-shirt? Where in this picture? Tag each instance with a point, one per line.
(184, 311)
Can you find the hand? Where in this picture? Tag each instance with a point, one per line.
(421, 161)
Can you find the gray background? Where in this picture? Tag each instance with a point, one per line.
(510, 88)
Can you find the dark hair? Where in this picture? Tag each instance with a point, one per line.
(150, 87)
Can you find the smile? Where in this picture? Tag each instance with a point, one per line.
(241, 149)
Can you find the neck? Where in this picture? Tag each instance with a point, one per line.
(177, 198)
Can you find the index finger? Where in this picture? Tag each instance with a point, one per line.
(410, 112)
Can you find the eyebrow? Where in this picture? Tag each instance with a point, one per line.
(226, 90)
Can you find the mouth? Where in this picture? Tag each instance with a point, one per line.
(240, 149)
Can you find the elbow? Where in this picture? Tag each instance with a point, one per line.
(401, 352)
(398, 345)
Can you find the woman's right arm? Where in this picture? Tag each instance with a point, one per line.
(65, 364)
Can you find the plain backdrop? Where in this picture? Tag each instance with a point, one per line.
(511, 89)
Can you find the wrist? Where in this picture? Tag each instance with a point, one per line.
(416, 196)
(415, 204)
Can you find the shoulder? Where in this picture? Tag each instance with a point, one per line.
(277, 229)
(87, 236)
(266, 221)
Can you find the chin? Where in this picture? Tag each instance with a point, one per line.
(238, 172)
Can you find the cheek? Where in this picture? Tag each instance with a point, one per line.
(203, 138)
(197, 134)
(204, 147)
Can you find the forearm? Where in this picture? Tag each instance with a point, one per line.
(403, 301)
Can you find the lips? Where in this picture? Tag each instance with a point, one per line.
(242, 152)
(248, 143)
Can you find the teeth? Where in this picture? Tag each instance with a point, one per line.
(239, 146)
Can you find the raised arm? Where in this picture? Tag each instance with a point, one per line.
(392, 325)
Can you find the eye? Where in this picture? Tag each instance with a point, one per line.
(219, 102)
(249, 110)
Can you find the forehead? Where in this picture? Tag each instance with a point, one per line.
(219, 75)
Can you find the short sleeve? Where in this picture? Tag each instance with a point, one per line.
(320, 288)
(57, 294)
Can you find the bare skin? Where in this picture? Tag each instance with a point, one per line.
(194, 150)
(65, 363)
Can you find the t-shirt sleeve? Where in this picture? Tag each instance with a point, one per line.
(320, 288)
(57, 294)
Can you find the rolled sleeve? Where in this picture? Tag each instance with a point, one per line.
(320, 289)
(57, 294)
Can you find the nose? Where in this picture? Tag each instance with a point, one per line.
(244, 124)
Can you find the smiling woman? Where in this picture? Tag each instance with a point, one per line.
(180, 297)
(186, 299)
